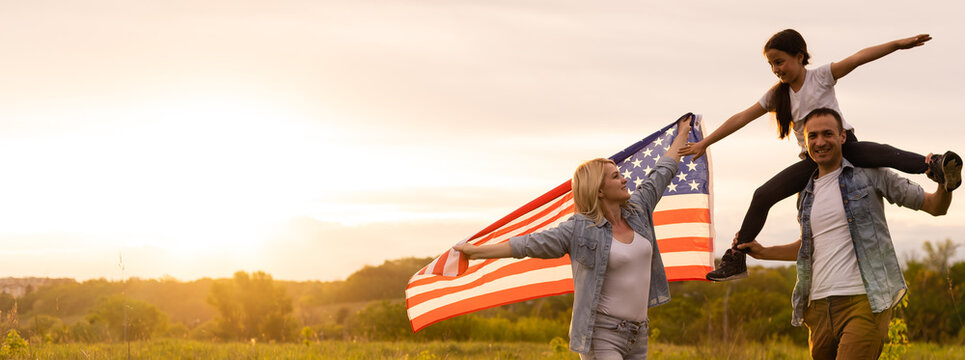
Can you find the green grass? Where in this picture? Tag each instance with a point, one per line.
(185, 349)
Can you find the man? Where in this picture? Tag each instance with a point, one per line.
(848, 277)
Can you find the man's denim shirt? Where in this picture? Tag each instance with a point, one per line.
(588, 245)
(861, 193)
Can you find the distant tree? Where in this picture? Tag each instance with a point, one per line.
(40, 325)
(382, 320)
(937, 255)
(140, 318)
(6, 302)
(386, 281)
(84, 331)
(252, 307)
(341, 315)
(936, 306)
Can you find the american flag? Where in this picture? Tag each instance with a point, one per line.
(451, 285)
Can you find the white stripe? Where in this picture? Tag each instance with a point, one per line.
(452, 264)
(669, 231)
(509, 282)
(685, 258)
(685, 201)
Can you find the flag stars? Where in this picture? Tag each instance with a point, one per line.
(659, 141)
(636, 163)
(647, 169)
(637, 182)
(692, 166)
(647, 152)
(693, 185)
(672, 187)
(682, 176)
(627, 173)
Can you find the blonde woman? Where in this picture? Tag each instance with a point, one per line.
(617, 270)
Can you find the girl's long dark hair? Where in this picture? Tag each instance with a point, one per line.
(791, 42)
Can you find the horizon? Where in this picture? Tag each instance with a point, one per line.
(308, 139)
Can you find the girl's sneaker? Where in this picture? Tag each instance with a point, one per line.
(946, 169)
(733, 266)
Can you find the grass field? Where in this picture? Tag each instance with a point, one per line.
(184, 349)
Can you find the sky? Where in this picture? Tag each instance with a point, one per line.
(308, 139)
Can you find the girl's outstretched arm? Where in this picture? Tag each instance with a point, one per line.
(841, 68)
(732, 124)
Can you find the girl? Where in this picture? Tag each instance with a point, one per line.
(799, 91)
(617, 269)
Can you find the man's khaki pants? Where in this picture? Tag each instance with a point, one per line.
(843, 327)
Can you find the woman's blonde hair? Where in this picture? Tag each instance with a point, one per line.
(586, 183)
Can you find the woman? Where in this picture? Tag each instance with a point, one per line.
(617, 270)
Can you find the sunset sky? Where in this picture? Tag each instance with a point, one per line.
(310, 138)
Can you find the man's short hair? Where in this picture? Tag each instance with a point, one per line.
(825, 111)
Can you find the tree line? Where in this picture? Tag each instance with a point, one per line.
(369, 305)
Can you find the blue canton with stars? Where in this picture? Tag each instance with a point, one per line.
(636, 161)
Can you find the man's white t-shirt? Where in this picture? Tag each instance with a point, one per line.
(817, 92)
(835, 266)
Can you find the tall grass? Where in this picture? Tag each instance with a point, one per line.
(187, 349)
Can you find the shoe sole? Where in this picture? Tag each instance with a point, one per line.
(952, 167)
(732, 277)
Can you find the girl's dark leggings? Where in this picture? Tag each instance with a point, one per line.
(794, 178)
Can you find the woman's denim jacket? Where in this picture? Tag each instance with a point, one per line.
(588, 245)
(861, 193)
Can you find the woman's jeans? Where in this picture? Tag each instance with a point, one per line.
(618, 339)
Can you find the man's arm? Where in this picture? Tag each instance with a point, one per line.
(904, 192)
(937, 203)
(786, 252)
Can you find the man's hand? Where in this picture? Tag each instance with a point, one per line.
(754, 249)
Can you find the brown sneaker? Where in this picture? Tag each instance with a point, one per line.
(946, 169)
(733, 266)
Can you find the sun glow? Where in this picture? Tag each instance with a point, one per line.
(196, 173)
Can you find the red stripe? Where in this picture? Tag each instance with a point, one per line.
(492, 300)
(442, 258)
(691, 272)
(508, 270)
(684, 244)
(500, 232)
(430, 280)
(567, 211)
(440, 263)
(667, 217)
(530, 206)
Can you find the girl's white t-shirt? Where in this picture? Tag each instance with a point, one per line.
(817, 92)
